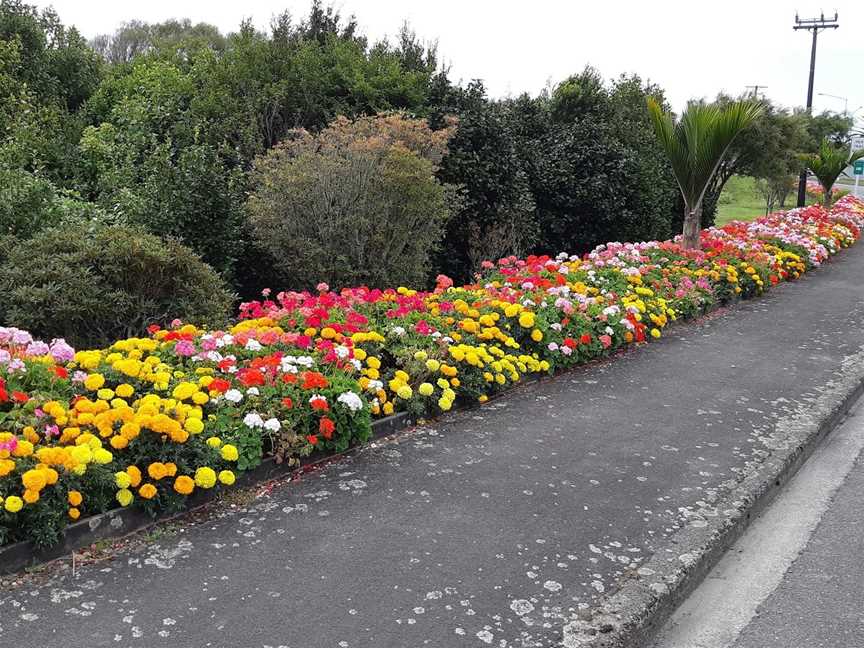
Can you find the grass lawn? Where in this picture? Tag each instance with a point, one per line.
(739, 201)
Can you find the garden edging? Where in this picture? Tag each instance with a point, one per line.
(631, 616)
(120, 521)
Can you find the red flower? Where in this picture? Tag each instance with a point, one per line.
(313, 380)
(61, 372)
(289, 378)
(220, 385)
(288, 403)
(570, 342)
(20, 397)
(585, 339)
(250, 377)
(320, 404)
(153, 328)
(311, 438)
(326, 427)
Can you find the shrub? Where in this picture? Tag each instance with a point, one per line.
(356, 204)
(93, 283)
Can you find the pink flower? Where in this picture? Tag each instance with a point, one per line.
(605, 340)
(322, 287)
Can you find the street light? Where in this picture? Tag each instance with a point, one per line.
(844, 99)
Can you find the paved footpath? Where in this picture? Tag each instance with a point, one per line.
(491, 527)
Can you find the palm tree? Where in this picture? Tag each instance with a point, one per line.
(829, 164)
(696, 145)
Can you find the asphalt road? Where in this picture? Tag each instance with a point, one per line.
(493, 527)
(795, 579)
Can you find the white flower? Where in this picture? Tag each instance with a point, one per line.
(357, 364)
(252, 391)
(351, 400)
(397, 331)
(253, 345)
(272, 424)
(253, 420)
(233, 395)
(341, 352)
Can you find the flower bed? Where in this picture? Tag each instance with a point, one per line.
(148, 421)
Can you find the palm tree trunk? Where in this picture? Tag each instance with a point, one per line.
(827, 199)
(692, 227)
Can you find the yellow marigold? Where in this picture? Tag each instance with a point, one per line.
(94, 381)
(444, 404)
(122, 479)
(170, 469)
(226, 477)
(214, 442)
(156, 470)
(194, 426)
(134, 475)
(373, 362)
(205, 477)
(6, 467)
(184, 485)
(537, 335)
(199, 398)
(655, 333)
(147, 491)
(426, 389)
(388, 408)
(404, 392)
(184, 390)
(31, 496)
(13, 504)
(118, 442)
(124, 390)
(74, 498)
(74, 513)
(105, 394)
(23, 449)
(34, 480)
(526, 319)
(102, 456)
(124, 497)
(229, 452)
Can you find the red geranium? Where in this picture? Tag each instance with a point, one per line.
(326, 427)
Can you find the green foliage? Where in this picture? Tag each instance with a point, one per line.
(829, 164)
(356, 204)
(496, 215)
(695, 146)
(91, 283)
(595, 169)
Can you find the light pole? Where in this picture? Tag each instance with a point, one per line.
(845, 101)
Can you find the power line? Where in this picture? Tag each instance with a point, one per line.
(814, 25)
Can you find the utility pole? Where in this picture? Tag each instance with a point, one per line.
(756, 90)
(814, 25)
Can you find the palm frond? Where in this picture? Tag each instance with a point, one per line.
(697, 143)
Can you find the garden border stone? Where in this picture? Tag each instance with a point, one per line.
(631, 616)
(119, 521)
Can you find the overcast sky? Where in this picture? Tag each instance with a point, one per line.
(692, 48)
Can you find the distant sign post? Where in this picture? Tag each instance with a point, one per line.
(857, 171)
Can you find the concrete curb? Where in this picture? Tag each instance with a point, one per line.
(630, 617)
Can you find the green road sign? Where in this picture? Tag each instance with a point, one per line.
(858, 167)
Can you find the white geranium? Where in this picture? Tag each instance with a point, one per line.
(351, 400)
(233, 395)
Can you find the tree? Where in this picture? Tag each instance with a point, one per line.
(496, 215)
(829, 164)
(695, 146)
(355, 204)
